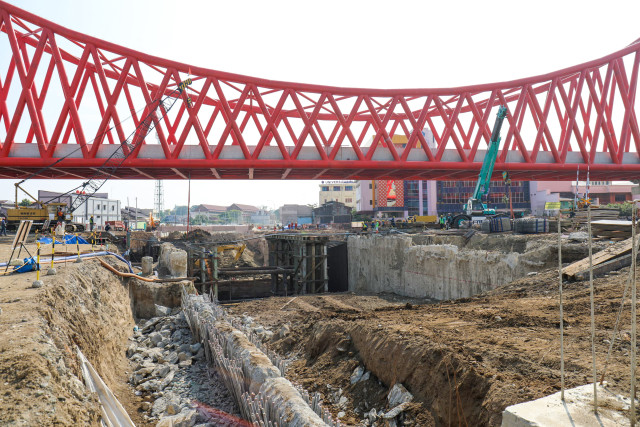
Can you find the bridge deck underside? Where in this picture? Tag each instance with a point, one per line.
(151, 164)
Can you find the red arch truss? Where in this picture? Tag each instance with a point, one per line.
(68, 95)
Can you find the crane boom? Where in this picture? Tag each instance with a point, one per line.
(120, 155)
(474, 204)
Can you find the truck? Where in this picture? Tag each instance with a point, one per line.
(475, 209)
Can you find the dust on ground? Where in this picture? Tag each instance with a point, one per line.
(464, 360)
(83, 305)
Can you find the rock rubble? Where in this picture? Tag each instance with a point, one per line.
(171, 374)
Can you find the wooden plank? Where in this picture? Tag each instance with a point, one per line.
(611, 252)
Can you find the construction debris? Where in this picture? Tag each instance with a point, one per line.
(596, 215)
(612, 229)
(580, 268)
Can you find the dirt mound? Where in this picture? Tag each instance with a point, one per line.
(227, 259)
(197, 235)
(40, 380)
(175, 235)
(139, 240)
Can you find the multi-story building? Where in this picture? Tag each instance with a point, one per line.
(344, 192)
(452, 195)
(364, 196)
(400, 198)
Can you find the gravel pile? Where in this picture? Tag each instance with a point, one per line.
(170, 371)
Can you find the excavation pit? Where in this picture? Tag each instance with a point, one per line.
(461, 361)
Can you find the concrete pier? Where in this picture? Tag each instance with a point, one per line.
(576, 410)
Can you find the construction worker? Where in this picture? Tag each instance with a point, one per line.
(3, 227)
(364, 226)
(393, 221)
(91, 223)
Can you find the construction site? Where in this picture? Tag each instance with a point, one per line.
(451, 273)
(430, 328)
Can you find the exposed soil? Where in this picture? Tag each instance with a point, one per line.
(464, 361)
(40, 381)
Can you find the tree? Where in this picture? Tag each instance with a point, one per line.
(25, 202)
(625, 207)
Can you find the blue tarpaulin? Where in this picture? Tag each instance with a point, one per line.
(68, 239)
(29, 265)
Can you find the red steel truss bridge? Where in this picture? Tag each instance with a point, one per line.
(68, 101)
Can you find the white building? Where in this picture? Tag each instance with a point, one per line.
(364, 196)
(339, 191)
(99, 205)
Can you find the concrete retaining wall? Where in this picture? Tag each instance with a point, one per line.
(248, 373)
(394, 264)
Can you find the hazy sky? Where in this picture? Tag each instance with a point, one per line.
(343, 43)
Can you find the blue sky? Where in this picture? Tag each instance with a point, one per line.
(343, 43)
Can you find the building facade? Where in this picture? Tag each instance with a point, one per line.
(300, 214)
(212, 213)
(241, 214)
(397, 198)
(344, 192)
(364, 196)
(332, 213)
(99, 205)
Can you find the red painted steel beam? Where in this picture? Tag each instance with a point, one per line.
(558, 122)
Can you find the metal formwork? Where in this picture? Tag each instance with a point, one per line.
(307, 255)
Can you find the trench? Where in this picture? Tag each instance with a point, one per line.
(326, 355)
(110, 320)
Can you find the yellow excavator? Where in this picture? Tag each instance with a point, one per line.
(239, 251)
(238, 248)
(42, 214)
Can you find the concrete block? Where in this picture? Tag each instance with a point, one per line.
(147, 266)
(172, 261)
(178, 264)
(576, 410)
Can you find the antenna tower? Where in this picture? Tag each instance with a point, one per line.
(158, 202)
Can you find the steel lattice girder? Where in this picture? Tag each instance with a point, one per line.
(242, 127)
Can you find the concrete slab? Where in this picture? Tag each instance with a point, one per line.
(576, 410)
